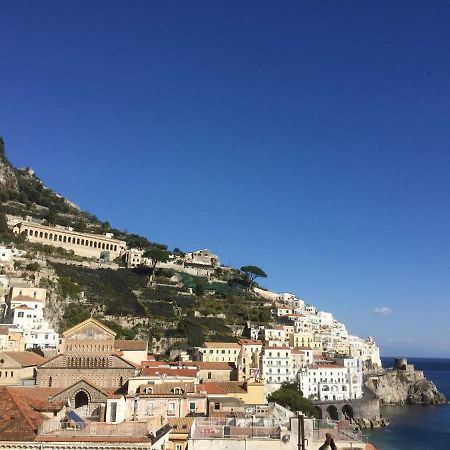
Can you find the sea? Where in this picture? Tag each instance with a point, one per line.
(417, 427)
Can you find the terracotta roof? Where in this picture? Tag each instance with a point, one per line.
(222, 387)
(153, 363)
(27, 359)
(276, 347)
(174, 372)
(327, 366)
(181, 425)
(167, 388)
(25, 298)
(127, 345)
(250, 342)
(23, 307)
(222, 345)
(19, 420)
(204, 365)
(3, 329)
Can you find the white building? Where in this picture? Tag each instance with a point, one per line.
(276, 363)
(339, 381)
(25, 314)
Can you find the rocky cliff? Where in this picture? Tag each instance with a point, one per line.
(399, 387)
(8, 180)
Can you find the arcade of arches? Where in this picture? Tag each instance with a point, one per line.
(82, 244)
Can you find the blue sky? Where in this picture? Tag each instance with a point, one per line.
(310, 138)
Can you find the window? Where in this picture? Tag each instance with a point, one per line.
(192, 407)
(216, 406)
(20, 314)
(149, 408)
(179, 447)
(171, 409)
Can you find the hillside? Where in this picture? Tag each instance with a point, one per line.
(177, 311)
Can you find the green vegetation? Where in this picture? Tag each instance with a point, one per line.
(289, 396)
(33, 267)
(157, 255)
(73, 313)
(253, 272)
(112, 288)
(199, 329)
(69, 289)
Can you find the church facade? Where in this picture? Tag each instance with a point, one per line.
(88, 354)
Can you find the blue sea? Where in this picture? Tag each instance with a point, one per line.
(418, 427)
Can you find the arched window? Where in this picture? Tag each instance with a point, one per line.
(69, 239)
(41, 234)
(78, 241)
(95, 244)
(103, 245)
(46, 235)
(50, 236)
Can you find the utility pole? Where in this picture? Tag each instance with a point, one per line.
(301, 430)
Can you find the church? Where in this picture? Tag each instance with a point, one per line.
(87, 354)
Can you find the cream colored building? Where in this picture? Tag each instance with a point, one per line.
(220, 352)
(82, 244)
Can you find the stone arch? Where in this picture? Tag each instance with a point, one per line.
(81, 398)
(50, 236)
(347, 410)
(55, 237)
(334, 388)
(103, 246)
(333, 412)
(69, 239)
(326, 388)
(45, 235)
(64, 238)
(107, 246)
(41, 234)
(60, 238)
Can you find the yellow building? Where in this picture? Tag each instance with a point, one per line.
(220, 352)
(301, 340)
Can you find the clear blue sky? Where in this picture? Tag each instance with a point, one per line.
(311, 138)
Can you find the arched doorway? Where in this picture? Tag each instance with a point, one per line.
(317, 412)
(81, 399)
(333, 413)
(347, 410)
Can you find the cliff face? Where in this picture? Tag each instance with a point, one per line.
(8, 180)
(399, 387)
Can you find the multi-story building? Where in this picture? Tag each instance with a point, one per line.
(82, 244)
(301, 340)
(220, 352)
(276, 364)
(25, 315)
(340, 380)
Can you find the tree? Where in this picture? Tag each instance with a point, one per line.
(289, 396)
(253, 272)
(157, 255)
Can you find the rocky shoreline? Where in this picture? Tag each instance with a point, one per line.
(404, 387)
